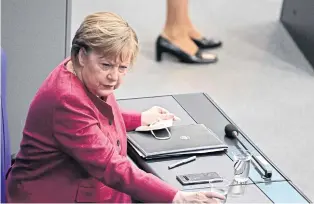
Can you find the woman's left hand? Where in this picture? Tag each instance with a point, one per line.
(156, 114)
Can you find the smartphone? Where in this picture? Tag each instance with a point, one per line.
(199, 178)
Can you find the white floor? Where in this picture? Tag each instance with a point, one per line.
(261, 81)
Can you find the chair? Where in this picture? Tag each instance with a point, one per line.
(5, 139)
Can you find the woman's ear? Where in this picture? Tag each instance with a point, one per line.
(82, 57)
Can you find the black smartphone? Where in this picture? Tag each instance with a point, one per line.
(199, 178)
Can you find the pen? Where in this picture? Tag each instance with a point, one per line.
(184, 161)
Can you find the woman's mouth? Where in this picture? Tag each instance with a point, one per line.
(109, 86)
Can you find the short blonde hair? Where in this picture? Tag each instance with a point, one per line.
(106, 33)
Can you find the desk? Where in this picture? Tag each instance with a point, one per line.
(200, 108)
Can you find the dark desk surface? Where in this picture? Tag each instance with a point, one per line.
(200, 108)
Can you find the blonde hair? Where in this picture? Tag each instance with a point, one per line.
(107, 33)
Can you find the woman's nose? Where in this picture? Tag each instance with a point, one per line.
(113, 74)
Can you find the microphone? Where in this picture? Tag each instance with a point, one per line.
(232, 132)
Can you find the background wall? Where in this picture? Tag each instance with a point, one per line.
(34, 39)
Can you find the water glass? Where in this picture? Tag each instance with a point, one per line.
(237, 189)
(221, 187)
(242, 163)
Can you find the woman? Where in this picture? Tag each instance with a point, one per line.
(74, 141)
(182, 39)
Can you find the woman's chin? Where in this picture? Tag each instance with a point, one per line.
(105, 93)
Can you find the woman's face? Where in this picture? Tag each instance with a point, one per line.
(102, 75)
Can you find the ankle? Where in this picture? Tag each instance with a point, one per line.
(175, 32)
(194, 33)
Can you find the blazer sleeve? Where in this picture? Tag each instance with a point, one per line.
(132, 120)
(78, 134)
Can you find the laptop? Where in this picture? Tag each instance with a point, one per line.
(183, 140)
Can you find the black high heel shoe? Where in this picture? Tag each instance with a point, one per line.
(165, 46)
(205, 43)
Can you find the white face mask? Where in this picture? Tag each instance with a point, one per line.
(162, 124)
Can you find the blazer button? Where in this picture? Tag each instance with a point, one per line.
(118, 143)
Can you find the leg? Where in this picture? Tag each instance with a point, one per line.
(177, 26)
(180, 30)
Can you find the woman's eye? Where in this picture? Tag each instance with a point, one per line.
(123, 69)
(106, 65)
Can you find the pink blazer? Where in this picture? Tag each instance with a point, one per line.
(74, 149)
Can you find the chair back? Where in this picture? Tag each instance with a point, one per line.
(5, 139)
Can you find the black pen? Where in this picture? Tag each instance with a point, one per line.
(184, 161)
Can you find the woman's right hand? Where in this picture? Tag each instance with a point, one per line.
(197, 197)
